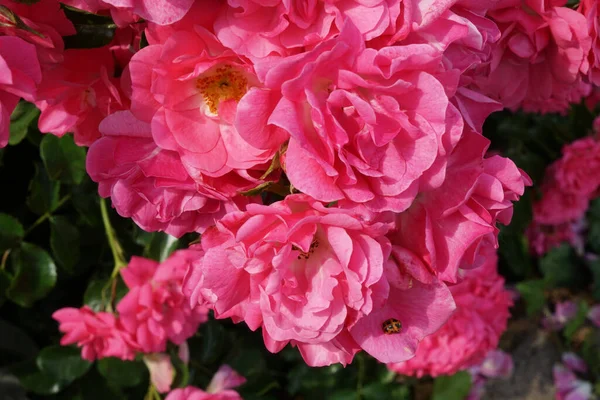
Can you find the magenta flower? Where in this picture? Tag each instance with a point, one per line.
(540, 60)
(219, 387)
(151, 185)
(19, 74)
(98, 335)
(317, 278)
(482, 311)
(155, 310)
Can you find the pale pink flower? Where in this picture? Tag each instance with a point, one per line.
(76, 95)
(497, 364)
(219, 387)
(188, 89)
(161, 370)
(578, 170)
(539, 61)
(472, 331)
(574, 362)
(594, 315)
(568, 387)
(370, 132)
(563, 313)
(151, 185)
(224, 379)
(476, 194)
(155, 310)
(309, 275)
(19, 74)
(98, 334)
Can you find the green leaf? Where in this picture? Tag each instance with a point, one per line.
(43, 192)
(561, 268)
(182, 372)
(455, 387)
(595, 268)
(16, 342)
(514, 253)
(346, 394)
(213, 341)
(160, 246)
(64, 160)
(533, 293)
(95, 387)
(5, 282)
(64, 241)
(577, 322)
(93, 294)
(20, 120)
(35, 275)
(11, 232)
(64, 364)
(122, 373)
(11, 388)
(34, 380)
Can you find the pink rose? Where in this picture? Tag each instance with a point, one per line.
(481, 315)
(45, 24)
(150, 185)
(543, 238)
(124, 12)
(19, 74)
(188, 89)
(372, 131)
(76, 95)
(578, 171)
(259, 28)
(540, 59)
(557, 207)
(218, 388)
(309, 275)
(98, 334)
(155, 309)
(447, 225)
(589, 9)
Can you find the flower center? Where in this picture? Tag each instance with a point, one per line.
(305, 256)
(223, 84)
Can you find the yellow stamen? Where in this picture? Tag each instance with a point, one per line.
(223, 84)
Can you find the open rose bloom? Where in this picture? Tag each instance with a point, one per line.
(481, 314)
(318, 278)
(330, 154)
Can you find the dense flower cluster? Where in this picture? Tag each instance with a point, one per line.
(330, 154)
(152, 313)
(481, 315)
(219, 387)
(569, 185)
